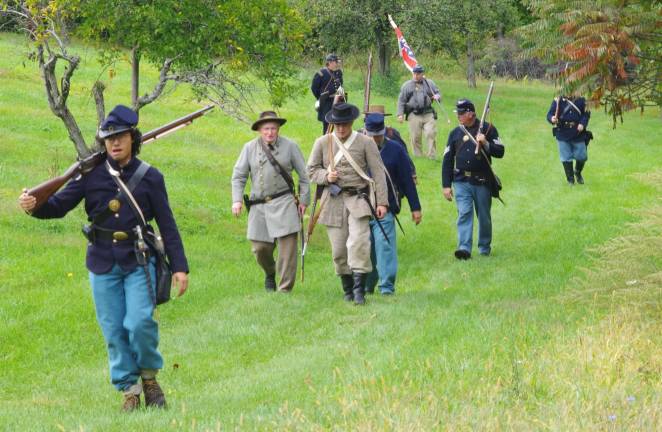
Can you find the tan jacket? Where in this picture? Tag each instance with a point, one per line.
(366, 154)
(278, 217)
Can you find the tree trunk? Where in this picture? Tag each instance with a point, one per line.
(471, 69)
(97, 93)
(382, 54)
(135, 77)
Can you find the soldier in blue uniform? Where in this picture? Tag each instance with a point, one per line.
(394, 135)
(324, 86)
(384, 253)
(468, 172)
(570, 120)
(123, 298)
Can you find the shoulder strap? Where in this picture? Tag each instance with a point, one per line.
(279, 169)
(352, 162)
(138, 175)
(133, 182)
(331, 78)
(125, 192)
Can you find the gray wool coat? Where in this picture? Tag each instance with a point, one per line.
(278, 217)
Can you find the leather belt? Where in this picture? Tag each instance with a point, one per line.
(108, 234)
(568, 125)
(472, 173)
(423, 111)
(354, 191)
(268, 198)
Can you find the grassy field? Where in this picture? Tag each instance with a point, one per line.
(558, 330)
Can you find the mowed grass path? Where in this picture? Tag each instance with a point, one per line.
(481, 344)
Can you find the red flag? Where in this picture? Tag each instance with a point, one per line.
(405, 51)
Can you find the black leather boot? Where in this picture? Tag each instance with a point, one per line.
(579, 166)
(569, 175)
(347, 286)
(270, 282)
(359, 288)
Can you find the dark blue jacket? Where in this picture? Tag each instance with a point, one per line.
(98, 188)
(396, 162)
(323, 81)
(460, 155)
(569, 118)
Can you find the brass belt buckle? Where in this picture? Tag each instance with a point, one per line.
(120, 235)
(267, 199)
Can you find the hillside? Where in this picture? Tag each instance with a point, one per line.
(558, 330)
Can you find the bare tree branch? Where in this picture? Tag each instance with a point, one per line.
(228, 93)
(65, 81)
(158, 88)
(97, 92)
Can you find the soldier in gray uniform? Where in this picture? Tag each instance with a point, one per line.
(274, 211)
(350, 197)
(415, 105)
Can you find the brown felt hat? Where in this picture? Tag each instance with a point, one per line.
(267, 116)
(376, 109)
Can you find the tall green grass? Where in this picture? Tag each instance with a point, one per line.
(530, 338)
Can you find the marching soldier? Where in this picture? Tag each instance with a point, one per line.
(415, 105)
(384, 252)
(274, 210)
(341, 162)
(570, 118)
(324, 86)
(393, 134)
(468, 172)
(122, 287)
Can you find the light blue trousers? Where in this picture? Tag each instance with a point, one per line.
(384, 256)
(469, 197)
(124, 310)
(569, 150)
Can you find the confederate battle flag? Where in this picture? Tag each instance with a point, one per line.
(405, 51)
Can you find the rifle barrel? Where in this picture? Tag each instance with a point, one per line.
(486, 109)
(174, 125)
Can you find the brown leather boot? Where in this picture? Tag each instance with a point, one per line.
(153, 394)
(131, 402)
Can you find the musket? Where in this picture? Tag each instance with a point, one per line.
(425, 80)
(489, 165)
(301, 233)
(314, 216)
(368, 79)
(175, 125)
(486, 109)
(311, 226)
(82, 167)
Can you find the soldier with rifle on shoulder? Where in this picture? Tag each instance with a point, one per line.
(326, 83)
(415, 105)
(121, 194)
(467, 167)
(275, 211)
(570, 119)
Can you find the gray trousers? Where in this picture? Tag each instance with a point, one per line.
(287, 259)
(426, 125)
(350, 245)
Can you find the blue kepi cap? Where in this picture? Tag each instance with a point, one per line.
(120, 119)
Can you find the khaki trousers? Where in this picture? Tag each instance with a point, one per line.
(423, 124)
(350, 245)
(287, 259)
